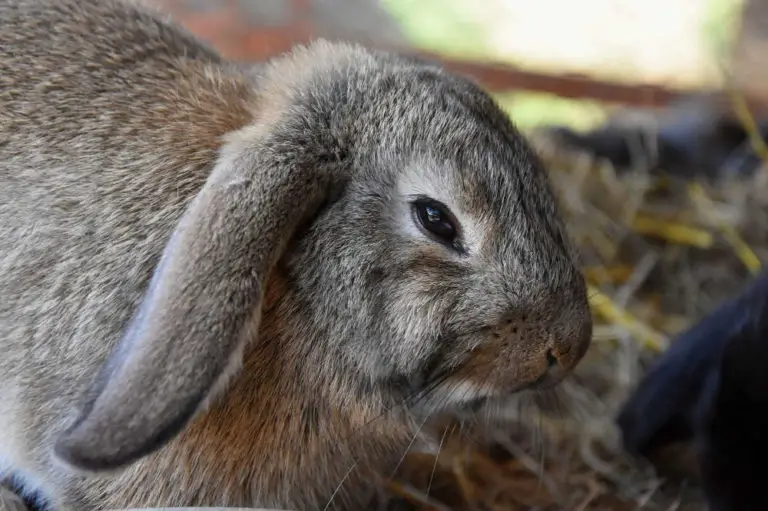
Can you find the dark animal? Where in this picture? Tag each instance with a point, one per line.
(695, 137)
(711, 389)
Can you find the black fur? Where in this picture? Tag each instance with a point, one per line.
(692, 142)
(711, 388)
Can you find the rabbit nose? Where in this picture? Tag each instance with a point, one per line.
(559, 358)
(558, 362)
(566, 351)
(556, 346)
(551, 358)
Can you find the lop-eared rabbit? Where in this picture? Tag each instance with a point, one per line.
(228, 285)
(710, 390)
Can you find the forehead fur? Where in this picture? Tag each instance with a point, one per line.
(435, 131)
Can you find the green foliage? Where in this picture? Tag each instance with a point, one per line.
(721, 26)
(438, 25)
(532, 109)
(442, 26)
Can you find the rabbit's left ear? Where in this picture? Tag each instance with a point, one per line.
(202, 305)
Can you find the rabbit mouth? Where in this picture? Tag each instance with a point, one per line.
(441, 387)
(467, 397)
(458, 397)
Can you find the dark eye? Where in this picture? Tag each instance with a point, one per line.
(436, 220)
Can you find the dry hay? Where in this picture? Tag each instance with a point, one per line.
(658, 255)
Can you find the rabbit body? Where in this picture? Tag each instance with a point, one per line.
(214, 289)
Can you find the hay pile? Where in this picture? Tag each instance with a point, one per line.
(658, 255)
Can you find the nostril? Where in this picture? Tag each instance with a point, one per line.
(551, 358)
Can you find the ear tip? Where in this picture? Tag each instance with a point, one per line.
(96, 444)
(71, 450)
(69, 453)
(81, 450)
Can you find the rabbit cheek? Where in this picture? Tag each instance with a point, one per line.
(417, 307)
(495, 370)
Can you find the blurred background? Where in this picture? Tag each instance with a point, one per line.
(650, 117)
(676, 45)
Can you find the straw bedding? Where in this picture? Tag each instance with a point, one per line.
(658, 254)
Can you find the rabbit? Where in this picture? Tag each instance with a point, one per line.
(710, 389)
(696, 136)
(233, 284)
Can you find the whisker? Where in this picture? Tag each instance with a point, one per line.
(416, 395)
(338, 488)
(409, 400)
(540, 440)
(437, 457)
(410, 444)
(557, 400)
(412, 399)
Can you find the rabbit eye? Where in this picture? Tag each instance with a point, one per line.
(436, 220)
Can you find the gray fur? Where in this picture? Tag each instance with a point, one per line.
(213, 290)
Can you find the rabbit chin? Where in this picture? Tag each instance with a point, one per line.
(457, 397)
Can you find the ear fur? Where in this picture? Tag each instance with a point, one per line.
(202, 305)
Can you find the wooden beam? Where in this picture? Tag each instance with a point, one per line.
(502, 78)
(238, 39)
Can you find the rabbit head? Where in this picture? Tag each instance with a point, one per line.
(421, 253)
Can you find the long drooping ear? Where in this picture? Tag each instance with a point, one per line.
(202, 304)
